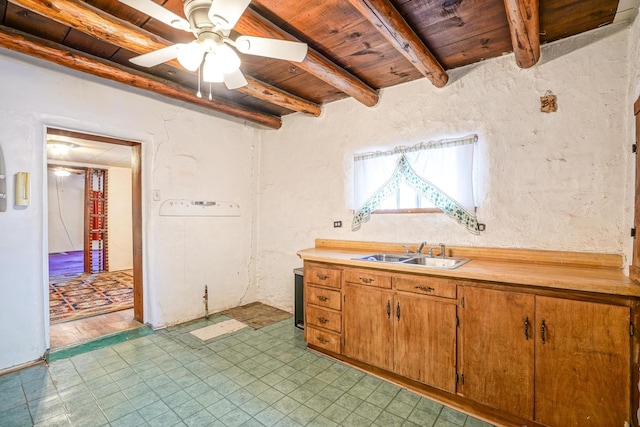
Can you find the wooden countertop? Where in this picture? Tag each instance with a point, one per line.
(599, 279)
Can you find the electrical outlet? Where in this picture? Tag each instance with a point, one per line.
(156, 195)
(337, 224)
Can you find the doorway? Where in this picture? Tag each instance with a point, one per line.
(99, 192)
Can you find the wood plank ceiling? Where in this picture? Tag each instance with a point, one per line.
(356, 47)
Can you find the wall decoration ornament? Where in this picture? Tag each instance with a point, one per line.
(548, 103)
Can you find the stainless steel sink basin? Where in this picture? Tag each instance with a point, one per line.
(385, 258)
(448, 263)
(422, 260)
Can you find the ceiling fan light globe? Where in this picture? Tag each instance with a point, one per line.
(212, 72)
(190, 55)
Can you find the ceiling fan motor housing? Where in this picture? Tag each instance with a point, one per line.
(196, 12)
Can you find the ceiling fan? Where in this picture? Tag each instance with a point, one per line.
(211, 22)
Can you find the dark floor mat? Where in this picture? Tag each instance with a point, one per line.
(257, 315)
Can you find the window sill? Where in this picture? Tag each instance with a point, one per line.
(407, 211)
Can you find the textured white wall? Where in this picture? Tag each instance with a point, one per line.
(186, 154)
(548, 181)
(119, 219)
(65, 210)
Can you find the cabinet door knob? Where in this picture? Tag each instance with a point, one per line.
(322, 320)
(543, 332)
(425, 288)
(321, 298)
(322, 277)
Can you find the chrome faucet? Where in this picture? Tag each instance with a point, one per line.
(443, 251)
(422, 245)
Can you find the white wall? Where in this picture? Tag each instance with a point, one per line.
(65, 210)
(119, 219)
(186, 154)
(548, 181)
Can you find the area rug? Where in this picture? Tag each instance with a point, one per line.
(76, 295)
(218, 329)
(257, 315)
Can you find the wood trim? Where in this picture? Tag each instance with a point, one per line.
(390, 23)
(252, 23)
(89, 136)
(99, 24)
(23, 43)
(136, 204)
(636, 107)
(524, 25)
(406, 211)
(485, 413)
(534, 256)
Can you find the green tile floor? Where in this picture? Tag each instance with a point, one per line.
(262, 377)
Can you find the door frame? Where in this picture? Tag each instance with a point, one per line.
(136, 207)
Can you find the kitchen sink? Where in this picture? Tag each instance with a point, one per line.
(448, 263)
(385, 258)
(422, 260)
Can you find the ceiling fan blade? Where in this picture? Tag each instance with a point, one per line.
(225, 13)
(272, 48)
(235, 80)
(157, 56)
(158, 12)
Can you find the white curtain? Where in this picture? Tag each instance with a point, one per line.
(441, 171)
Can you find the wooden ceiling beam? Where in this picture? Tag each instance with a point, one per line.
(254, 24)
(390, 23)
(94, 22)
(61, 55)
(524, 25)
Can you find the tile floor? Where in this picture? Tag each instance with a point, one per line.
(262, 377)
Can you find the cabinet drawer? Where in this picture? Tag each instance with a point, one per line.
(324, 318)
(324, 339)
(434, 286)
(368, 278)
(322, 276)
(324, 297)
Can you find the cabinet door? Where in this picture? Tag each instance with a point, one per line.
(496, 349)
(582, 363)
(368, 334)
(425, 340)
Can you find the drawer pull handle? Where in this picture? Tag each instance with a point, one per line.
(322, 320)
(322, 277)
(323, 341)
(425, 288)
(526, 328)
(321, 298)
(367, 280)
(543, 332)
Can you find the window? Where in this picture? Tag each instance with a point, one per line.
(433, 175)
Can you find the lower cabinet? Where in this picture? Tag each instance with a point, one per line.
(496, 349)
(411, 335)
(424, 341)
(576, 353)
(512, 353)
(582, 363)
(368, 328)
